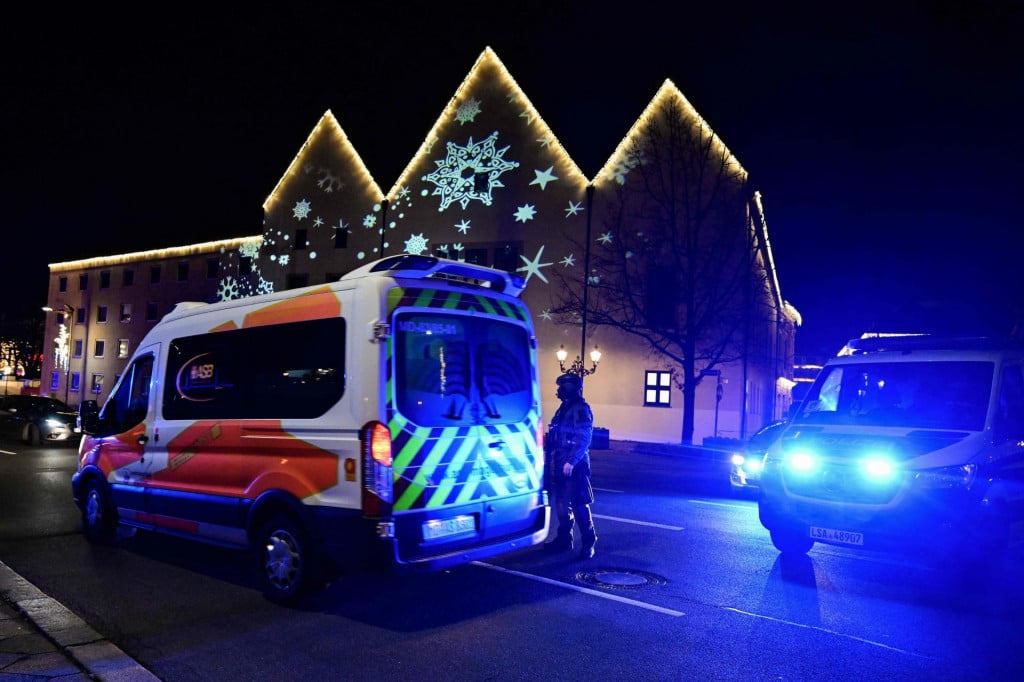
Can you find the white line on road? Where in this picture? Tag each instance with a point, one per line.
(7, 452)
(638, 523)
(577, 588)
(831, 632)
(607, 490)
(721, 504)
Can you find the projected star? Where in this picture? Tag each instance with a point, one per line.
(544, 141)
(544, 177)
(605, 238)
(416, 244)
(318, 221)
(462, 227)
(525, 212)
(467, 111)
(574, 208)
(301, 210)
(546, 315)
(470, 172)
(568, 261)
(340, 227)
(533, 267)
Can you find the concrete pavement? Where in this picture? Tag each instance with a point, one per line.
(40, 639)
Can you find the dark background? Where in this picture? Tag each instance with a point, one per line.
(885, 138)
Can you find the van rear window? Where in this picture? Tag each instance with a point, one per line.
(283, 371)
(458, 370)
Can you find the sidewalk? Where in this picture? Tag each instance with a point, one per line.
(40, 639)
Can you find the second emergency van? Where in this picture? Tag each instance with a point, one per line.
(393, 414)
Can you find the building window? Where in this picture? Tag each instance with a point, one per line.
(122, 348)
(212, 268)
(126, 312)
(657, 388)
(101, 313)
(100, 347)
(301, 239)
(151, 312)
(182, 272)
(54, 381)
(154, 274)
(340, 238)
(295, 281)
(506, 257)
(80, 316)
(97, 383)
(332, 277)
(476, 256)
(83, 282)
(128, 277)
(105, 279)
(62, 284)
(78, 348)
(76, 382)
(244, 266)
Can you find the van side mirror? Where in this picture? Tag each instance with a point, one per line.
(89, 416)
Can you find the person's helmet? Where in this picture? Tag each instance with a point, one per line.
(570, 382)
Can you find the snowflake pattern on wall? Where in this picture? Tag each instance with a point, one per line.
(328, 181)
(467, 111)
(416, 244)
(463, 227)
(470, 172)
(525, 212)
(301, 209)
(533, 267)
(574, 208)
(544, 177)
(249, 249)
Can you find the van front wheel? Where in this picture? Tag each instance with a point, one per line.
(285, 558)
(98, 523)
(790, 541)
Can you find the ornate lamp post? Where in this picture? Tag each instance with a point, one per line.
(577, 367)
(69, 314)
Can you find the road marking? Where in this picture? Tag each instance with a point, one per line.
(7, 452)
(720, 504)
(638, 523)
(608, 490)
(831, 632)
(577, 588)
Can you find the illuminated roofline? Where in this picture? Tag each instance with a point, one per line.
(667, 90)
(171, 252)
(325, 120)
(488, 55)
(785, 306)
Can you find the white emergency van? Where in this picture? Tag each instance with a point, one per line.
(911, 444)
(394, 414)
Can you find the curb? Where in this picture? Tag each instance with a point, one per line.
(71, 635)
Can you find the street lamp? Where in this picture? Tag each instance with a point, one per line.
(577, 367)
(69, 315)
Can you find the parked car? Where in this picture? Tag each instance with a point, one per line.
(34, 419)
(745, 465)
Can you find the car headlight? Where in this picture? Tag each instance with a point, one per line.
(878, 468)
(754, 465)
(801, 461)
(960, 476)
(737, 459)
(53, 423)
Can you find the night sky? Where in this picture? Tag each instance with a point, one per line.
(886, 142)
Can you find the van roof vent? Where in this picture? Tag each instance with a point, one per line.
(456, 272)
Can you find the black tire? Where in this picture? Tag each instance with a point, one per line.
(98, 519)
(790, 541)
(284, 559)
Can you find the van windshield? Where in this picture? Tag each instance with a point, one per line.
(457, 370)
(934, 395)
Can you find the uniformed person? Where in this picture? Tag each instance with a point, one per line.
(568, 447)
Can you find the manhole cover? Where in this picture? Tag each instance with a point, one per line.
(619, 578)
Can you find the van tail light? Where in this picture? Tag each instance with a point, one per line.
(375, 440)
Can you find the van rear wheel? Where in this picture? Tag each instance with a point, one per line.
(285, 559)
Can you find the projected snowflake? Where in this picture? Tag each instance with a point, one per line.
(249, 249)
(525, 212)
(328, 181)
(605, 238)
(533, 267)
(467, 111)
(574, 208)
(568, 261)
(416, 244)
(301, 210)
(470, 172)
(228, 289)
(462, 227)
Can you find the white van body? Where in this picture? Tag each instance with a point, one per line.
(912, 444)
(394, 414)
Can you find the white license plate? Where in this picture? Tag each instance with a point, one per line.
(845, 537)
(442, 528)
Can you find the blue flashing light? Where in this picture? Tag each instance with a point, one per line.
(878, 468)
(754, 465)
(737, 460)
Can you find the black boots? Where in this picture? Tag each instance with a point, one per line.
(559, 544)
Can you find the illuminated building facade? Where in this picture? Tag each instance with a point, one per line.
(492, 185)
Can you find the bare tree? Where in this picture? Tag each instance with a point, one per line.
(675, 262)
(21, 344)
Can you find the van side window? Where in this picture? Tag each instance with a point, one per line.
(281, 371)
(1010, 415)
(129, 404)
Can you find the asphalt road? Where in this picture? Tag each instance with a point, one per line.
(685, 585)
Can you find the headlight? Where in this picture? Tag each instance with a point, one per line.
(53, 423)
(878, 468)
(961, 476)
(754, 465)
(802, 462)
(737, 459)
